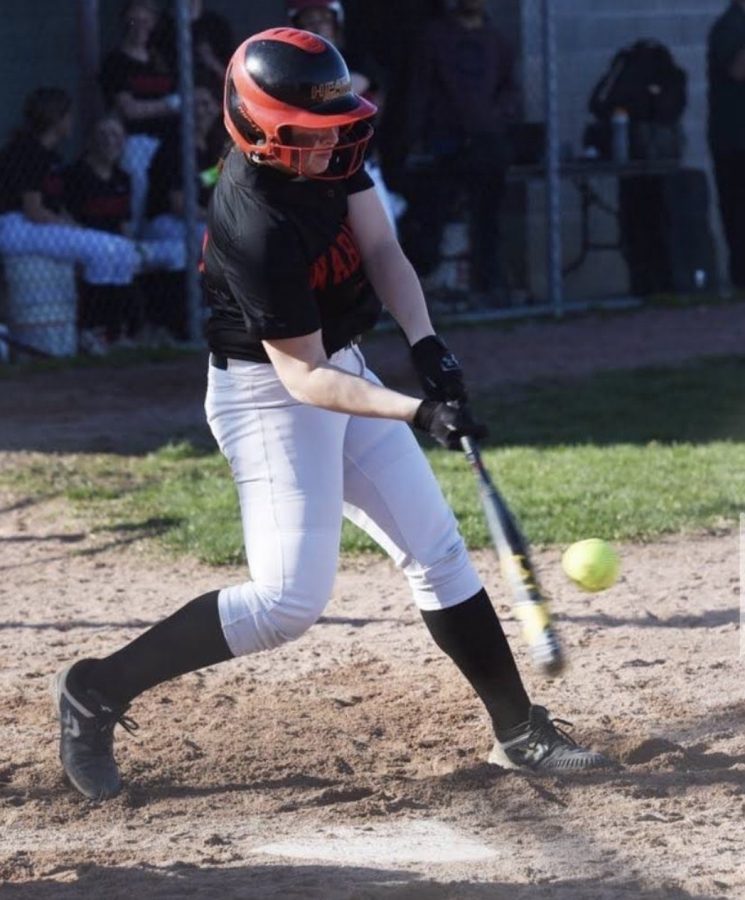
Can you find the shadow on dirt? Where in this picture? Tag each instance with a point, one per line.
(267, 882)
(135, 531)
(712, 618)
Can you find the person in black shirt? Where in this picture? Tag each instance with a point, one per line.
(211, 39)
(30, 174)
(135, 80)
(165, 201)
(726, 65)
(326, 18)
(299, 256)
(97, 194)
(461, 98)
(138, 84)
(96, 189)
(33, 217)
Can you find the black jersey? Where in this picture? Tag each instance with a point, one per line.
(281, 261)
(97, 202)
(27, 166)
(121, 73)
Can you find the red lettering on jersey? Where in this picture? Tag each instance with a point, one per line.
(341, 270)
(344, 258)
(319, 274)
(348, 245)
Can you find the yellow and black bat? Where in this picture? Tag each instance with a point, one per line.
(528, 603)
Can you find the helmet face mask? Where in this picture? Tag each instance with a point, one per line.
(284, 79)
(313, 157)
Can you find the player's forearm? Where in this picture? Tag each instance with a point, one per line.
(332, 388)
(399, 289)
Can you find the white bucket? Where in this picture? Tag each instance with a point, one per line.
(41, 303)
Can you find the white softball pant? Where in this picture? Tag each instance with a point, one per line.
(298, 470)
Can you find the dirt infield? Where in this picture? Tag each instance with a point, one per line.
(350, 764)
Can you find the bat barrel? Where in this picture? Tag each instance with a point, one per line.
(528, 603)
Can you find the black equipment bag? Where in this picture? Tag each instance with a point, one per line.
(644, 80)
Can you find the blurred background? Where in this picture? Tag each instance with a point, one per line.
(574, 194)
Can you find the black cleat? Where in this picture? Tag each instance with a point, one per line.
(87, 721)
(540, 746)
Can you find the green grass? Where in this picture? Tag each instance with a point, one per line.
(622, 455)
(696, 403)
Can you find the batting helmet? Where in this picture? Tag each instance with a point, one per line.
(296, 7)
(284, 78)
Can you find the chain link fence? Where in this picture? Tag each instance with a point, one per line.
(588, 219)
(544, 233)
(578, 225)
(624, 208)
(94, 251)
(70, 287)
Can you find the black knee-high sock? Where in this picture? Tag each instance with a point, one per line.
(471, 635)
(190, 639)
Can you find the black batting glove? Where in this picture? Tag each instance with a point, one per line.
(447, 423)
(438, 369)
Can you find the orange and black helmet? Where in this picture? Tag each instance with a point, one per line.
(284, 78)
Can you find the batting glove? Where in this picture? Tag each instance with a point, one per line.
(448, 423)
(438, 369)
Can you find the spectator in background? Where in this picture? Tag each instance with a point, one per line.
(96, 188)
(326, 18)
(462, 96)
(33, 218)
(138, 84)
(388, 31)
(726, 62)
(165, 201)
(97, 194)
(31, 166)
(211, 38)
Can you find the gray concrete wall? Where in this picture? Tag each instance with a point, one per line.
(589, 32)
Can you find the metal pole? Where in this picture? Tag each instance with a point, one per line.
(553, 178)
(182, 10)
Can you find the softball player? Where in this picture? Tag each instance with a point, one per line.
(299, 256)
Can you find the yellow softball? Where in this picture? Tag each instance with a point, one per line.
(592, 564)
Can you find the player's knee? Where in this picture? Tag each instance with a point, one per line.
(294, 615)
(444, 580)
(259, 618)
